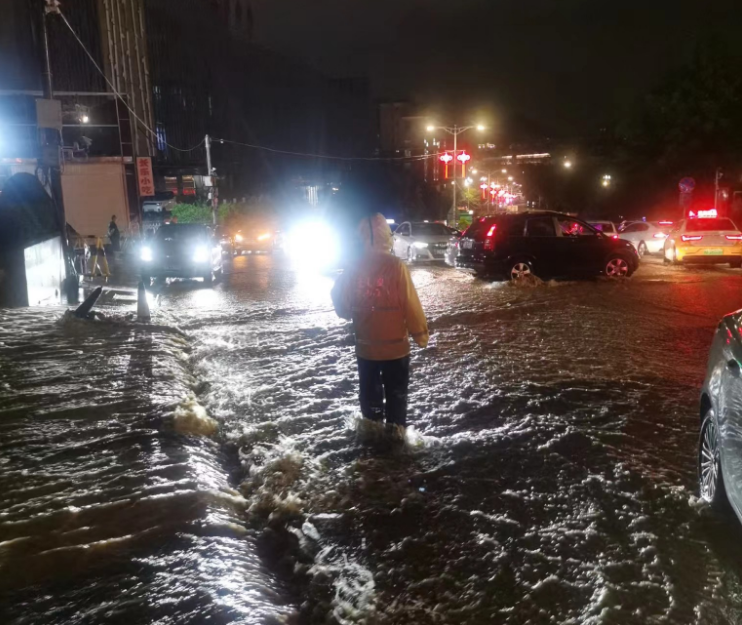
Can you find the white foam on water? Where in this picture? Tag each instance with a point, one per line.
(190, 417)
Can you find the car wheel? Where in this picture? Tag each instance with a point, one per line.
(520, 270)
(642, 249)
(617, 267)
(710, 480)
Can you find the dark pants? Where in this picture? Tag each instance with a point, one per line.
(382, 379)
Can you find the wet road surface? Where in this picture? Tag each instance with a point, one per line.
(212, 467)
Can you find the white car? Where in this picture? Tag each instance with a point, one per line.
(648, 237)
(421, 240)
(608, 228)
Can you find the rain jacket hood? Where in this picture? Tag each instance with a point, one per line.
(377, 293)
(375, 234)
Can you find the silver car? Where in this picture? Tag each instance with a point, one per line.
(720, 443)
(421, 240)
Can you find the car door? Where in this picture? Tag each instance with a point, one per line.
(402, 240)
(543, 245)
(580, 247)
(591, 249)
(635, 233)
(729, 417)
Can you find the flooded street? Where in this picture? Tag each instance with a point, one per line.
(212, 466)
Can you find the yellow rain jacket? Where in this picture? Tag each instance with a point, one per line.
(379, 296)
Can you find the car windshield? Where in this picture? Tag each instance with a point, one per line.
(708, 225)
(182, 232)
(430, 230)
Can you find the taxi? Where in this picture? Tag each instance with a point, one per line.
(704, 238)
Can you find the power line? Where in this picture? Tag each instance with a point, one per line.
(248, 145)
(119, 95)
(328, 156)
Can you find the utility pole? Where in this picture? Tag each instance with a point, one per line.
(50, 154)
(717, 178)
(455, 131)
(214, 196)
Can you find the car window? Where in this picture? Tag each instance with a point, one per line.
(708, 225)
(182, 232)
(437, 230)
(478, 228)
(637, 227)
(540, 227)
(403, 230)
(607, 228)
(570, 227)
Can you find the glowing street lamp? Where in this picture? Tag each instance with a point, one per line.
(84, 119)
(504, 171)
(568, 164)
(606, 182)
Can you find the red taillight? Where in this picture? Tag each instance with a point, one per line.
(489, 242)
(660, 235)
(691, 237)
(734, 237)
(615, 236)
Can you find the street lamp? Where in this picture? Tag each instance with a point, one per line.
(84, 119)
(606, 181)
(504, 171)
(568, 164)
(454, 130)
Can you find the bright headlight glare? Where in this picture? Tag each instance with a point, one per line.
(201, 254)
(146, 254)
(238, 238)
(314, 244)
(263, 237)
(420, 245)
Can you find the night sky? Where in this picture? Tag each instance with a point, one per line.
(566, 66)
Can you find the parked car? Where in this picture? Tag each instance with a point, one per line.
(719, 445)
(181, 251)
(711, 241)
(648, 237)
(545, 244)
(421, 241)
(608, 228)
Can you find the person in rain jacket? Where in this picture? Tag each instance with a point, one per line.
(377, 293)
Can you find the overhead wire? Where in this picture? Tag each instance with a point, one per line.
(327, 156)
(230, 141)
(120, 95)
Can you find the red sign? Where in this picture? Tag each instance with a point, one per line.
(145, 177)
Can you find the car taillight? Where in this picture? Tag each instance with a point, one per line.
(615, 236)
(734, 237)
(489, 241)
(660, 235)
(691, 237)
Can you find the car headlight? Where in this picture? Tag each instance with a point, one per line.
(146, 254)
(201, 255)
(264, 237)
(238, 238)
(420, 245)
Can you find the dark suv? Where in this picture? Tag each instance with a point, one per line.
(546, 244)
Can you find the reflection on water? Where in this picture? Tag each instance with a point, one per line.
(549, 476)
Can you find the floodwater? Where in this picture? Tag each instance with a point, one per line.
(212, 467)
